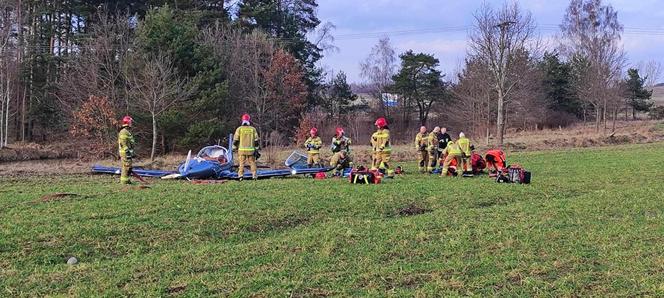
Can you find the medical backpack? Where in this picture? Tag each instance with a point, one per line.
(514, 174)
(363, 176)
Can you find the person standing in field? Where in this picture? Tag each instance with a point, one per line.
(313, 145)
(421, 147)
(246, 143)
(464, 145)
(443, 139)
(340, 152)
(126, 145)
(382, 149)
(432, 147)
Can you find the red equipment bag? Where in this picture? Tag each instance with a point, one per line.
(364, 176)
(515, 174)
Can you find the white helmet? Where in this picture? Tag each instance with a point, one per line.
(461, 135)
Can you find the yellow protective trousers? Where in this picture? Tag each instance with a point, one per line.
(246, 159)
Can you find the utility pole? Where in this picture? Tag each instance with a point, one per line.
(502, 65)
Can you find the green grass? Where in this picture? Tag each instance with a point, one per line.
(592, 222)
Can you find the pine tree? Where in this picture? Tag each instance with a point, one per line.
(637, 96)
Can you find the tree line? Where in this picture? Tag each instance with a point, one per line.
(510, 79)
(185, 70)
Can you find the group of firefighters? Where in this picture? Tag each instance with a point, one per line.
(435, 147)
(438, 148)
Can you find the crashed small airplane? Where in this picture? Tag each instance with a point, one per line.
(216, 162)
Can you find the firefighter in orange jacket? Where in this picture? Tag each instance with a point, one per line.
(382, 149)
(496, 161)
(246, 143)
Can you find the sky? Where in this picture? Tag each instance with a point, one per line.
(440, 27)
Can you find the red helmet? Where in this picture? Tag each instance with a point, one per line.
(381, 122)
(246, 117)
(340, 131)
(313, 131)
(320, 176)
(127, 120)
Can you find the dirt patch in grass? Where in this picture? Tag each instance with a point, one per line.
(175, 290)
(411, 209)
(57, 196)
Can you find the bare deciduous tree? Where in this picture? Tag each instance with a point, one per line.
(261, 76)
(652, 71)
(497, 39)
(98, 69)
(246, 57)
(379, 68)
(591, 34)
(9, 70)
(155, 87)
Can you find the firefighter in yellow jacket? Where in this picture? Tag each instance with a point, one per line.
(341, 152)
(452, 152)
(246, 144)
(382, 149)
(313, 145)
(464, 145)
(432, 147)
(421, 143)
(126, 144)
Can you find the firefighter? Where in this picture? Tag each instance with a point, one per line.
(246, 143)
(126, 144)
(313, 145)
(496, 161)
(341, 152)
(453, 153)
(464, 145)
(382, 149)
(340, 161)
(421, 147)
(432, 148)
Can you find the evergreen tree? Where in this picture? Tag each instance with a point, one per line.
(558, 85)
(339, 97)
(637, 96)
(419, 82)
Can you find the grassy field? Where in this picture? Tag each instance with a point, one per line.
(592, 222)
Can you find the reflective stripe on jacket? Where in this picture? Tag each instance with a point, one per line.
(380, 140)
(464, 145)
(246, 138)
(126, 143)
(341, 144)
(313, 144)
(433, 141)
(420, 141)
(452, 149)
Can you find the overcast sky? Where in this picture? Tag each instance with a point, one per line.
(439, 27)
